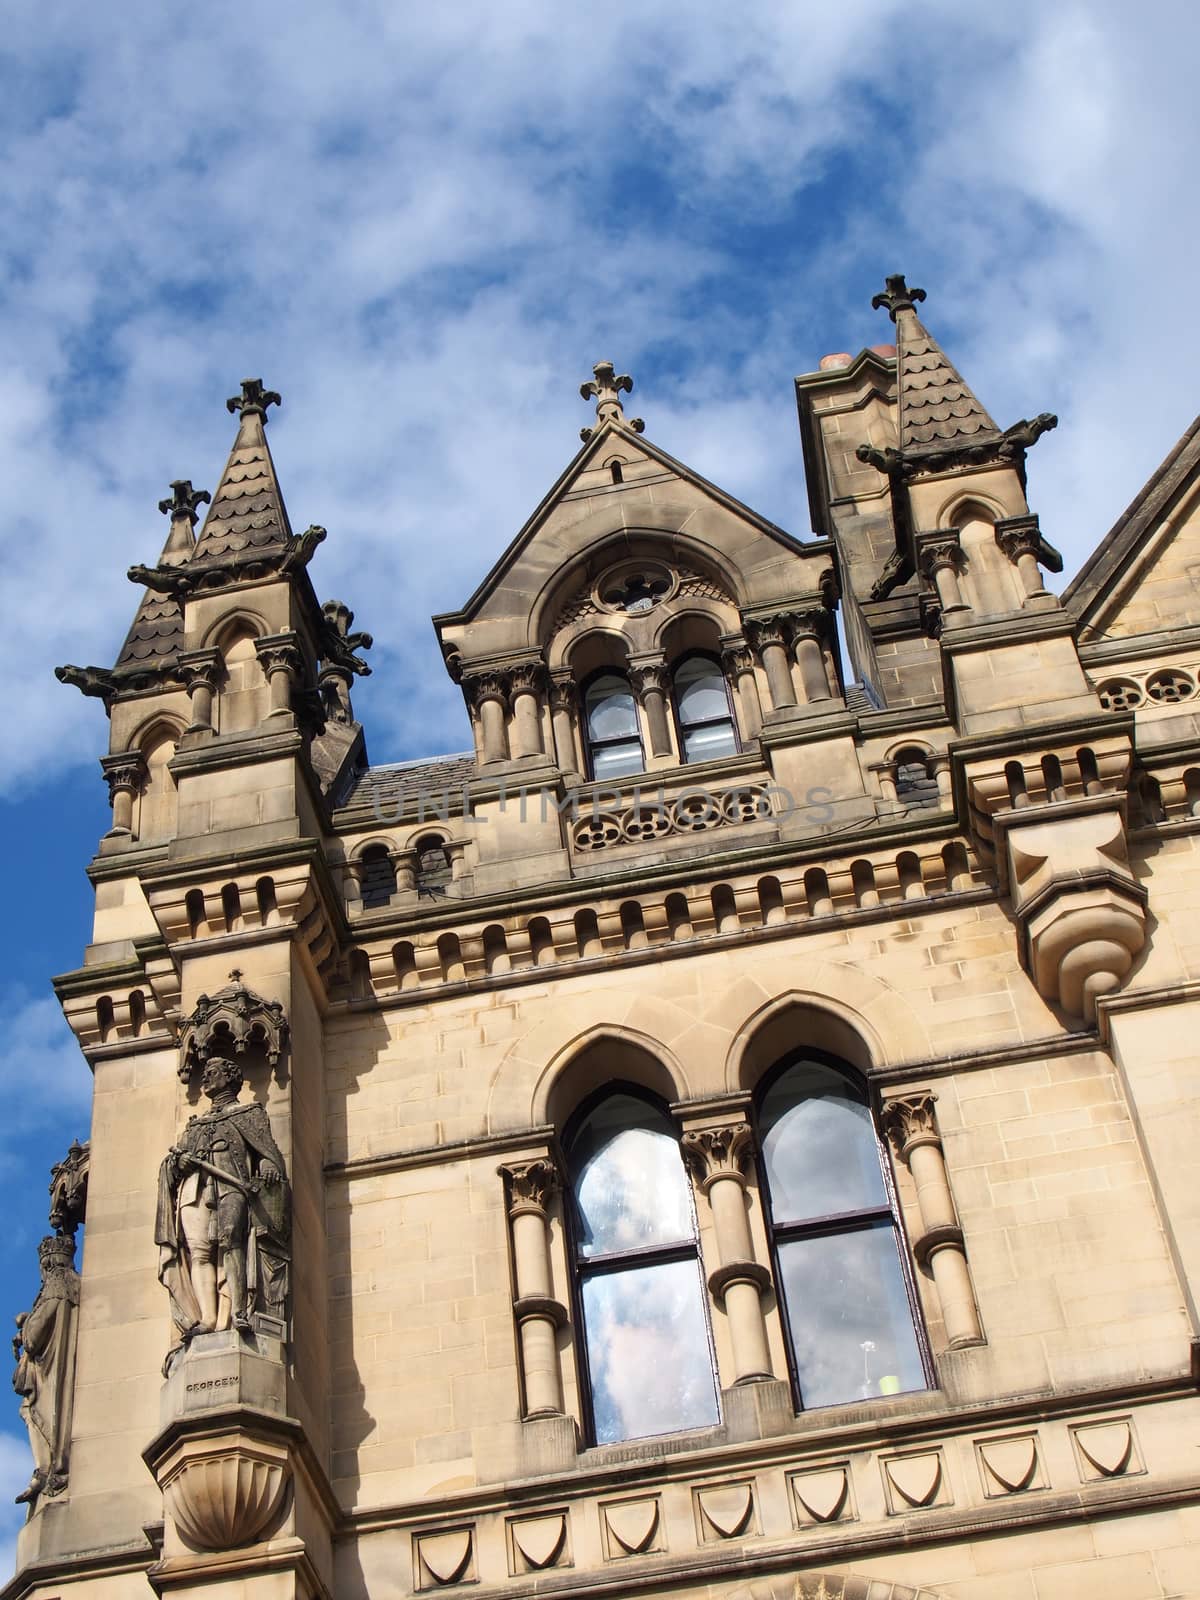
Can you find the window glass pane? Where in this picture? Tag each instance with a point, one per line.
(851, 1326)
(610, 710)
(648, 1351)
(617, 760)
(709, 744)
(630, 1186)
(818, 1145)
(699, 691)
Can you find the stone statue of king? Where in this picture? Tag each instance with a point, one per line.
(222, 1227)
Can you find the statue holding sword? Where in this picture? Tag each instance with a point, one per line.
(223, 1213)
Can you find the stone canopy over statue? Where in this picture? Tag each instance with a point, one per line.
(223, 1220)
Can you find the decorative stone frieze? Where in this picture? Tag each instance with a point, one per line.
(911, 1125)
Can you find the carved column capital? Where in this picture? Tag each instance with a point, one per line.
(1018, 537)
(941, 555)
(765, 631)
(649, 676)
(715, 1153)
(124, 772)
(480, 687)
(279, 652)
(530, 1186)
(527, 677)
(910, 1120)
(200, 669)
(563, 690)
(736, 657)
(809, 623)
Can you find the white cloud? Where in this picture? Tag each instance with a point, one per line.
(16, 1464)
(424, 226)
(44, 1081)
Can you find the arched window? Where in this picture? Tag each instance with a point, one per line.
(433, 870)
(848, 1302)
(646, 1344)
(378, 876)
(703, 710)
(614, 740)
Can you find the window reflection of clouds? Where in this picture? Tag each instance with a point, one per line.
(845, 1291)
(631, 1189)
(648, 1354)
(819, 1146)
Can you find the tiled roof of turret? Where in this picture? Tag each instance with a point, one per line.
(156, 634)
(937, 408)
(247, 509)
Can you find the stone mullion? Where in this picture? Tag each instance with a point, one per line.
(529, 1188)
(651, 684)
(718, 1158)
(911, 1124)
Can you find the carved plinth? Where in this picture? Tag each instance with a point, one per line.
(223, 1456)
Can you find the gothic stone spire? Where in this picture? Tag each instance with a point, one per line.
(247, 510)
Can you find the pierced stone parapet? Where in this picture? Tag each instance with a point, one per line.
(692, 811)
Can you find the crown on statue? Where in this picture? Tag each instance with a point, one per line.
(56, 1251)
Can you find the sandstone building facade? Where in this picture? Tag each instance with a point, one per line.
(730, 1136)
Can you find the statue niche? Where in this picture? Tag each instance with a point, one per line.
(223, 1220)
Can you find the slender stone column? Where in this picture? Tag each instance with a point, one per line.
(281, 661)
(199, 670)
(485, 691)
(718, 1159)
(1020, 541)
(562, 715)
(530, 1187)
(911, 1125)
(806, 641)
(768, 637)
(651, 684)
(125, 774)
(738, 662)
(526, 684)
(940, 563)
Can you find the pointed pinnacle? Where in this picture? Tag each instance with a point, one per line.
(606, 387)
(183, 500)
(897, 296)
(253, 400)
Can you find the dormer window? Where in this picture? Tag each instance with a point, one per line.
(614, 741)
(703, 710)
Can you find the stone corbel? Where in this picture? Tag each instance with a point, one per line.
(530, 1187)
(282, 662)
(1081, 912)
(719, 1159)
(125, 773)
(910, 1122)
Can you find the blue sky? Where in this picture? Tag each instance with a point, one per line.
(424, 224)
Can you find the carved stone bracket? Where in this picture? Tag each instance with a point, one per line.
(228, 1023)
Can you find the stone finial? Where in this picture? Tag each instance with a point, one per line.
(897, 296)
(183, 500)
(253, 400)
(606, 387)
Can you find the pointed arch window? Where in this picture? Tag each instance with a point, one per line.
(646, 1347)
(849, 1306)
(703, 709)
(614, 740)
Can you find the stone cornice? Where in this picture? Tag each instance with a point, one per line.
(1095, 652)
(1012, 628)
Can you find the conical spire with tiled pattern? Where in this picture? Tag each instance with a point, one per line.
(247, 510)
(157, 631)
(936, 406)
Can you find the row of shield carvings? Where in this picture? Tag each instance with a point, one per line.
(834, 1492)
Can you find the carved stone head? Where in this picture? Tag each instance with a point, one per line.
(221, 1076)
